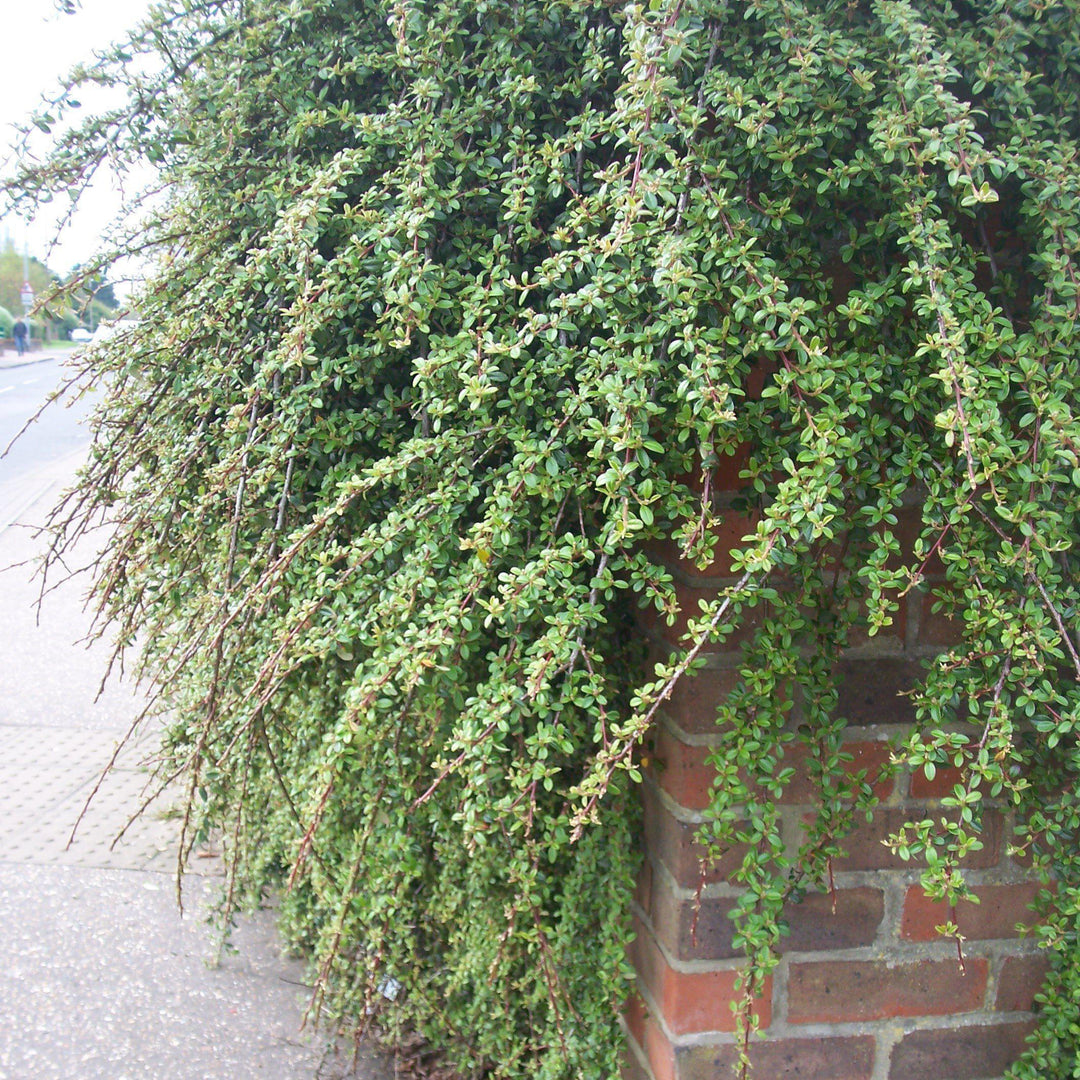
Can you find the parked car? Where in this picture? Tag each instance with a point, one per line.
(107, 330)
(81, 334)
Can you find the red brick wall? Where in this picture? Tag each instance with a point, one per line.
(868, 992)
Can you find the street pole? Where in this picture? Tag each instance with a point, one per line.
(26, 294)
(27, 297)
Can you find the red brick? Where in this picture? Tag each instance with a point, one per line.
(729, 535)
(672, 842)
(936, 628)
(838, 991)
(702, 1002)
(965, 1053)
(648, 962)
(929, 565)
(635, 1012)
(1022, 859)
(945, 779)
(689, 599)
(816, 927)
(872, 691)
(873, 757)
(906, 530)
(1020, 980)
(643, 889)
(725, 474)
(682, 772)
(659, 1051)
(813, 924)
(758, 376)
(889, 638)
(866, 851)
(695, 700)
(1001, 908)
(692, 1001)
(630, 1068)
(792, 1059)
(707, 937)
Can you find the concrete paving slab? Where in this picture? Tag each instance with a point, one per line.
(131, 989)
(101, 977)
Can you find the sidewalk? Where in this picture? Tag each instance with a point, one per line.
(100, 976)
(11, 359)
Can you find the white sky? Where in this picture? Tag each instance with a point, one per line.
(40, 46)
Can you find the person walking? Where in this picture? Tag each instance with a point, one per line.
(20, 332)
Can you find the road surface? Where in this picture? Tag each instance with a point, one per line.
(56, 434)
(45, 453)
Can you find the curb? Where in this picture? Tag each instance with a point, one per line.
(26, 506)
(8, 365)
(43, 482)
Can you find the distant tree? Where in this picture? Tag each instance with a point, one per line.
(105, 295)
(86, 287)
(91, 298)
(55, 318)
(12, 277)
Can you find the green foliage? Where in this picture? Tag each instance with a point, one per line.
(459, 304)
(92, 300)
(58, 307)
(12, 278)
(7, 321)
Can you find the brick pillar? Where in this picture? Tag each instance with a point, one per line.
(868, 992)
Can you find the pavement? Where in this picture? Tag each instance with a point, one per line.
(100, 974)
(9, 358)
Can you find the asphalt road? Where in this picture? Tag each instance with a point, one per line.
(57, 433)
(101, 977)
(35, 465)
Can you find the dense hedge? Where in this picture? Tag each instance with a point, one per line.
(454, 305)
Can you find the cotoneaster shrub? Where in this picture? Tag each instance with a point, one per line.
(454, 306)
